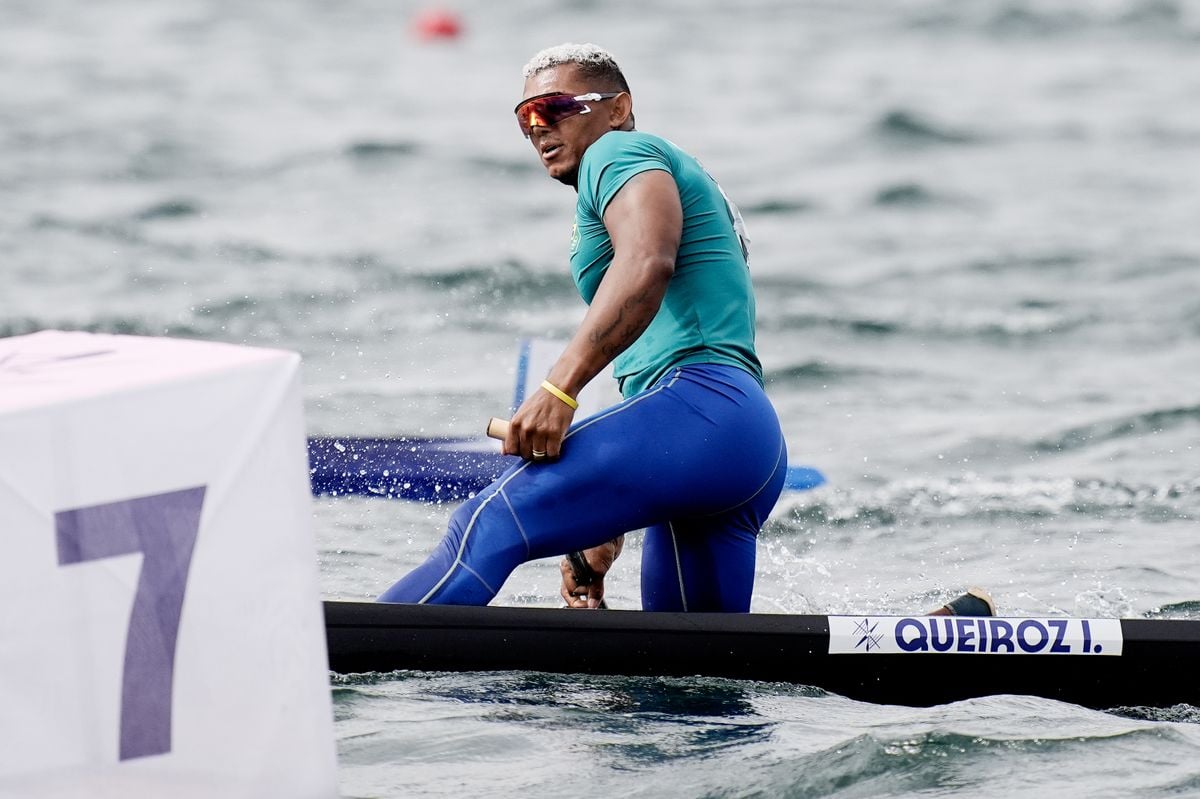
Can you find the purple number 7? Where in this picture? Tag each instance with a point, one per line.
(163, 527)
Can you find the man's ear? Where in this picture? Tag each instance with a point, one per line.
(621, 115)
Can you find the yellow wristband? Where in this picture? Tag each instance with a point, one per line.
(562, 395)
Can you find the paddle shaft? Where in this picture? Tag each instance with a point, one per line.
(583, 573)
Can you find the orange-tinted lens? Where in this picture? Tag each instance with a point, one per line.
(547, 110)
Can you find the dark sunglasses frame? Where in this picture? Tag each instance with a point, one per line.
(578, 106)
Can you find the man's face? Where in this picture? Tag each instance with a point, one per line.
(561, 146)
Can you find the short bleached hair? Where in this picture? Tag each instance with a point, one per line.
(592, 60)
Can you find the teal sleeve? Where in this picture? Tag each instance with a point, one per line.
(612, 160)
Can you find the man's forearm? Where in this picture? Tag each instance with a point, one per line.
(625, 303)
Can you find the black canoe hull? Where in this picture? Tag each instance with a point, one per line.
(1157, 667)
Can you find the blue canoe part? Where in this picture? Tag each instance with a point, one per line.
(431, 469)
(420, 469)
(802, 478)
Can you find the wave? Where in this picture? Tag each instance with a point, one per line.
(490, 283)
(1020, 20)
(1183, 714)
(977, 497)
(1023, 322)
(168, 209)
(167, 160)
(1129, 426)
(821, 372)
(778, 206)
(117, 230)
(163, 160)
(291, 318)
(1038, 263)
(125, 230)
(116, 325)
(374, 150)
(368, 678)
(1025, 20)
(1035, 262)
(332, 277)
(794, 282)
(911, 195)
(813, 319)
(909, 129)
(504, 166)
(505, 281)
(891, 761)
(861, 766)
(1176, 610)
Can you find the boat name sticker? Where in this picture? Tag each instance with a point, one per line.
(849, 635)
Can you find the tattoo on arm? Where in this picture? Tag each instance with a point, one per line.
(604, 339)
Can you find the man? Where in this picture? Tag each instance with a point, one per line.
(694, 454)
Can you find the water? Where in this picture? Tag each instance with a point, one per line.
(977, 262)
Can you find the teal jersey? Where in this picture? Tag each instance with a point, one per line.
(707, 315)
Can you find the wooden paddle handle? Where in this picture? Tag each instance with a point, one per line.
(497, 428)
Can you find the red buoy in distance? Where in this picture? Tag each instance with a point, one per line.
(437, 23)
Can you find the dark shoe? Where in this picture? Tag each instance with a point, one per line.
(976, 602)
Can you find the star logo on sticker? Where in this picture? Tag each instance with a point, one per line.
(868, 639)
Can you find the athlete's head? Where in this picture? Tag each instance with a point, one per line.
(574, 94)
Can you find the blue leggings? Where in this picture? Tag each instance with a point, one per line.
(698, 460)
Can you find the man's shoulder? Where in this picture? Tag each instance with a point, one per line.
(629, 143)
(615, 157)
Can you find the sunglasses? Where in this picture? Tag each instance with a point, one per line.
(546, 110)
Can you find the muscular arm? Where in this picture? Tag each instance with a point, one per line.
(645, 222)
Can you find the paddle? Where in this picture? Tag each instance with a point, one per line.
(580, 570)
(583, 573)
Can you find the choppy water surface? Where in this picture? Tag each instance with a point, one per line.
(978, 265)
